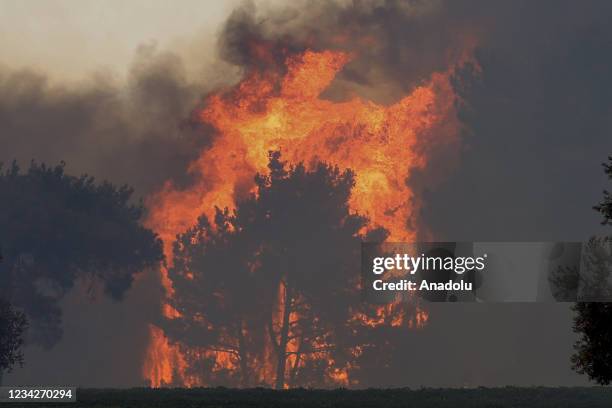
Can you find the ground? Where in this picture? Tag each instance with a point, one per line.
(424, 398)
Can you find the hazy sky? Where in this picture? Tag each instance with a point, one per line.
(72, 38)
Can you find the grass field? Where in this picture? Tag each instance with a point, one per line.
(430, 398)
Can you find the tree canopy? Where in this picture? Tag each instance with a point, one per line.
(13, 324)
(56, 229)
(268, 291)
(593, 321)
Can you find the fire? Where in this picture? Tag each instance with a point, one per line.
(394, 315)
(163, 359)
(283, 110)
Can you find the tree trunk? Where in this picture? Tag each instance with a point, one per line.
(283, 340)
(1, 377)
(294, 369)
(242, 355)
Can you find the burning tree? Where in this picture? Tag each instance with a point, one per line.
(266, 290)
(280, 105)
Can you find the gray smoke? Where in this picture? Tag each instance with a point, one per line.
(140, 132)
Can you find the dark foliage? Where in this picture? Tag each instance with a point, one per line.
(605, 207)
(13, 324)
(589, 282)
(593, 355)
(283, 267)
(593, 321)
(57, 228)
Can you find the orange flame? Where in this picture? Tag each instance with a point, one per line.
(285, 111)
(162, 360)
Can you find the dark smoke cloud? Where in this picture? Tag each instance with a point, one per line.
(396, 45)
(538, 116)
(539, 122)
(140, 132)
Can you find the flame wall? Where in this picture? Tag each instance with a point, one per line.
(284, 110)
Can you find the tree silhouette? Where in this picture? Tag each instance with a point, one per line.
(593, 321)
(56, 229)
(13, 324)
(605, 207)
(272, 285)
